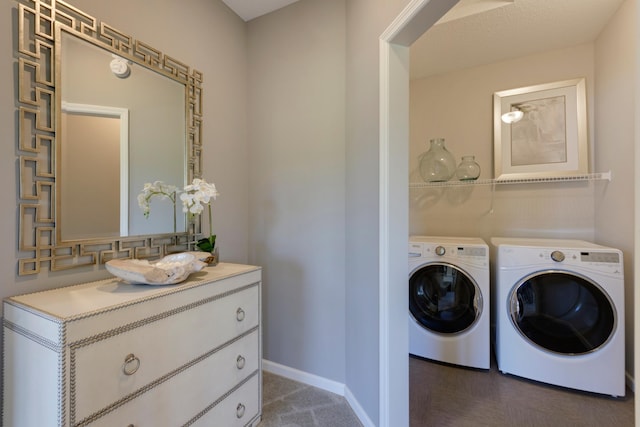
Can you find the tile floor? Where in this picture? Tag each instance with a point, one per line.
(287, 403)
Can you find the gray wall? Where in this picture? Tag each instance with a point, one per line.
(616, 59)
(303, 244)
(297, 182)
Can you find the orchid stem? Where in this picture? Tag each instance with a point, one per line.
(174, 213)
(210, 226)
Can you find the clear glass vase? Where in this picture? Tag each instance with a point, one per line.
(215, 257)
(468, 169)
(437, 164)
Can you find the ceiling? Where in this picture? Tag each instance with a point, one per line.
(478, 32)
(249, 9)
(519, 28)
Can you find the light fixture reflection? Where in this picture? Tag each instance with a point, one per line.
(120, 67)
(512, 116)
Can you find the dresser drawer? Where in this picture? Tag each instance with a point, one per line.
(189, 391)
(111, 366)
(236, 410)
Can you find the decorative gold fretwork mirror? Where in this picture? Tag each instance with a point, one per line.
(47, 32)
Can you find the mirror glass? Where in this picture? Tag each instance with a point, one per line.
(118, 131)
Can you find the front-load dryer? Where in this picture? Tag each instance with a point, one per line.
(559, 307)
(449, 300)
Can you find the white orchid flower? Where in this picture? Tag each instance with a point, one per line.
(158, 188)
(195, 196)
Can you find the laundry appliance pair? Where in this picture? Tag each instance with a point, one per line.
(557, 307)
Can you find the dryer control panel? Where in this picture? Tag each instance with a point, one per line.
(576, 256)
(600, 261)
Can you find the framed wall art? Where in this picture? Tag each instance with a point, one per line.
(541, 131)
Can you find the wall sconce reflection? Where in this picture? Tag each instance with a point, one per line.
(120, 66)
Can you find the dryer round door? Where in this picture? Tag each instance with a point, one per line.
(443, 298)
(562, 312)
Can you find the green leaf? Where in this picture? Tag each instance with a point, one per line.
(207, 244)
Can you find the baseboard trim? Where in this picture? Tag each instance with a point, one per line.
(303, 377)
(322, 383)
(357, 409)
(630, 382)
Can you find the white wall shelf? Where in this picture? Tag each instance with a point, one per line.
(600, 176)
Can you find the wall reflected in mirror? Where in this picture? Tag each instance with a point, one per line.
(117, 133)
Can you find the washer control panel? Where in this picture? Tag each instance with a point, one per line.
(415, 250)
(472, 251)
(436, 251)
(609, 257)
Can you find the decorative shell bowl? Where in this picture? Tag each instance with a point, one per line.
(169, 270)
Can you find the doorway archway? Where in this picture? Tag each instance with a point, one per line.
(413, 21)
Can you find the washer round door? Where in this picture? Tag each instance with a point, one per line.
(562, 312)
(443, 298)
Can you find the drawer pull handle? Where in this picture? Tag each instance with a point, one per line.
(240, 362)
(131, 364)
(240, 410)
(240, 315)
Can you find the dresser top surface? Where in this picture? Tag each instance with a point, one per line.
(68, 301)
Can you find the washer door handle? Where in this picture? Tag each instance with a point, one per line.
(516, 308)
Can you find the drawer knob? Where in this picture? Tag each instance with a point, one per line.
(131, 364)
(240, 410)
(240, 314)
(240, 362)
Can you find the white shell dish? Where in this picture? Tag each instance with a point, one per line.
(169, 270)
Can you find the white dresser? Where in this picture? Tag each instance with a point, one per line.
(108, 353)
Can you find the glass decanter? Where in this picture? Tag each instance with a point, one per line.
(437, 164)
(468, 169)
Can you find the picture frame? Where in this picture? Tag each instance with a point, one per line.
(540, 131)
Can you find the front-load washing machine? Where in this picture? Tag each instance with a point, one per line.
(449, 300)
(559, 307)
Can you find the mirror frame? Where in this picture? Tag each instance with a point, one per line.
(40, 23)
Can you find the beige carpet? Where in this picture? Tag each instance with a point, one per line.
(449, 396)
